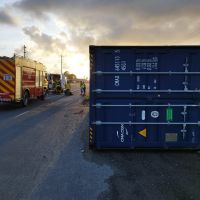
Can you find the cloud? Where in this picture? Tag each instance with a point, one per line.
(6, 18)
(152, 8)
(109, 22)
(116, 21)
(43, 41)
(47, 49)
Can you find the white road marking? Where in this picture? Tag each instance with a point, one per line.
(21, 114)
(51, 103)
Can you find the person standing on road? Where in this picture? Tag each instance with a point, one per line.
(81, 89)
(84, 88)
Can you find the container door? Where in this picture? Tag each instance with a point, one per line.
(146, 131)
(145, 96)
(166, 126)
(114, 131)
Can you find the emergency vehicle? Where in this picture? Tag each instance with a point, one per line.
(21, 79)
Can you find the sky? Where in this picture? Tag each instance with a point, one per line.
(51, 28)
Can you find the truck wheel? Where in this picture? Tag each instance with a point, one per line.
(25, 100)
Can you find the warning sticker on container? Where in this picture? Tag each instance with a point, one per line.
(171, 137)
(143, 132)
(155, 114)
(143, 116)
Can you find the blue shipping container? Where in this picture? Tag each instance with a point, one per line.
(144, 97)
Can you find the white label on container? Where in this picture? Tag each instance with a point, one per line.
(155, 114)
(138, 79)
(143, 115)
(117, 81)
(121, 134)
(123, 65)
(171, 137)
(117, 63)
(193, 137)
(117, 50)
(148, 64)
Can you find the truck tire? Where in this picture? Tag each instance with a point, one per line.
(25, 100)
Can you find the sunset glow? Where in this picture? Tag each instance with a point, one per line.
(53, 28)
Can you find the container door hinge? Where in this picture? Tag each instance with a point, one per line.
(185, 82)
(184, 131)
(98, 105)
(184, 113)
(98, 123)
(98, 72)
(98, 90)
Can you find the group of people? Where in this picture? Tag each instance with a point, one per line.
(83, 88)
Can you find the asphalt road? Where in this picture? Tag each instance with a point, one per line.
(44, 155)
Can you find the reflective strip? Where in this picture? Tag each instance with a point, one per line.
(6, 86)
(5, 69)
(90, 136)
(10, 66)
(3, 89)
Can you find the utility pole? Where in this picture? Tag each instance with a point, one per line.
(24, 51)
(61, 65)
(61, 76)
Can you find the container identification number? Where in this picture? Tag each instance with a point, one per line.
(119, 65)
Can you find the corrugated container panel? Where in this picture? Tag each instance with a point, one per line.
(145, 97)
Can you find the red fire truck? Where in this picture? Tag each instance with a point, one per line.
(21, 79)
